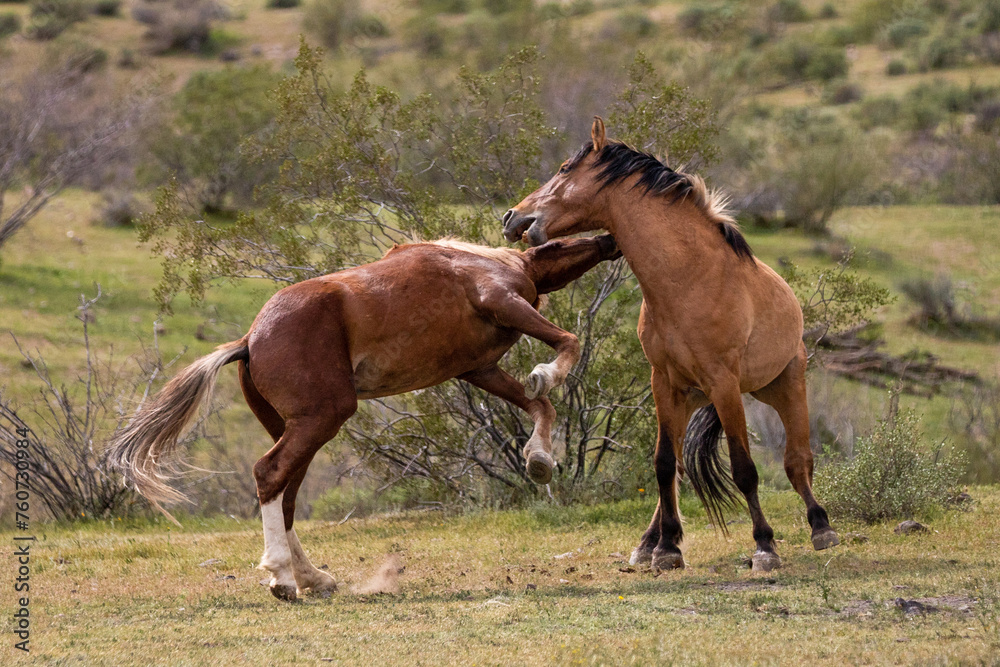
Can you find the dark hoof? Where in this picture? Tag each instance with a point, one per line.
(765, 561)
(286, 593)
(539, 467)
(641, 556)
(667, 560)
(825, 539)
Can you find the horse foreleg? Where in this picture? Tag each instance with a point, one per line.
(538, 450)
(729, 404)
(516, 313)
(787, 395)
(660, 544)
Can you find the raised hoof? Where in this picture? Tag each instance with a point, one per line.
(825, 539)
(765, 561)
(539, 467)
(641, 556)
(283, 592)
(536, 385)
(667, 560)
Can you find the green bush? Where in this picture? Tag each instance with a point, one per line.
(941, 51)
(331, 20)
(368, 25)
(709, 21)
(283, 4)
(901, 31)
(70, 11)
(881, 111)
(107, 7)
(796, 59)
(581, 7)
(895, 67)
(891, 475)
(871, 16)
(10, 23)
(788, 11)
(75, 55)
(843, 92)
(46, 26)
(635, 25)
(444, 6)
(828, 11)
(498, 7)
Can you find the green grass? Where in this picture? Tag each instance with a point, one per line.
(134, 592)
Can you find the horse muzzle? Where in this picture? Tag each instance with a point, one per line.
(515, 224)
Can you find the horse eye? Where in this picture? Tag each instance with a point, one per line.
(564, 169)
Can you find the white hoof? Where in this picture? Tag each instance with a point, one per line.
(541, 381)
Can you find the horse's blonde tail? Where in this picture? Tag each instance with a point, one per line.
(143, 451)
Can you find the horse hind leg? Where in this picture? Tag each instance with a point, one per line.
(274, 472)
(787, 395)
(308, 578)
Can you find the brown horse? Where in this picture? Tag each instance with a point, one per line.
(423, 314)
(715, 323)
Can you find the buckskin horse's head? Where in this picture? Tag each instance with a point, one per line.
(567, 204)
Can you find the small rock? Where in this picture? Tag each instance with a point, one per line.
(627, 570)
(568, 554)
(910, 526)
(564, 581)
(531, 587)
(229, 56)
(210, 561)
(616, 555)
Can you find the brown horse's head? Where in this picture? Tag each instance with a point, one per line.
(567, 204)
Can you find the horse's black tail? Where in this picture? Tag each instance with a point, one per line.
(708, 473)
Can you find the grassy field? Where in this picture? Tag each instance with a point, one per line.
(537, 586)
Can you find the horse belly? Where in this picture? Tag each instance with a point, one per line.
(425, 357)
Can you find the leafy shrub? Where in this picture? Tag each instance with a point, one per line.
(936, 298)
(201, 143)
(46, 27)
(331, 20)
(871, 16)
(426, 35)
(843, 92)
(10, 23)
(128, 59)
(635, 25)
(989, 16)
(839, 35)
(828, 11)
(901, 31)
(891, 475)
(283, 4)
(709, 21)
(107, 7)
(368, 25)
(444, 6)
(184, 25)
(796, 59)
(581, 7)
(788, 11)
(120, 209)
(895, 67)
(76, 56)
(883, 111)
(70, 11)
(498, 7)
(940, 52)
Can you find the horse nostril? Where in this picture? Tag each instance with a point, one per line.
(508, 215)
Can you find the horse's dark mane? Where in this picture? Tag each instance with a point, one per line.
(617, 161)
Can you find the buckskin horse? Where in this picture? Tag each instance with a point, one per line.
(715, 323)
(423, 314)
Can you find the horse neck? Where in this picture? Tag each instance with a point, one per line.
(665, 244)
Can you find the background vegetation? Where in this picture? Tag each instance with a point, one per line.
(258, 160)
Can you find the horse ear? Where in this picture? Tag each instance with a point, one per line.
(597, 134)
